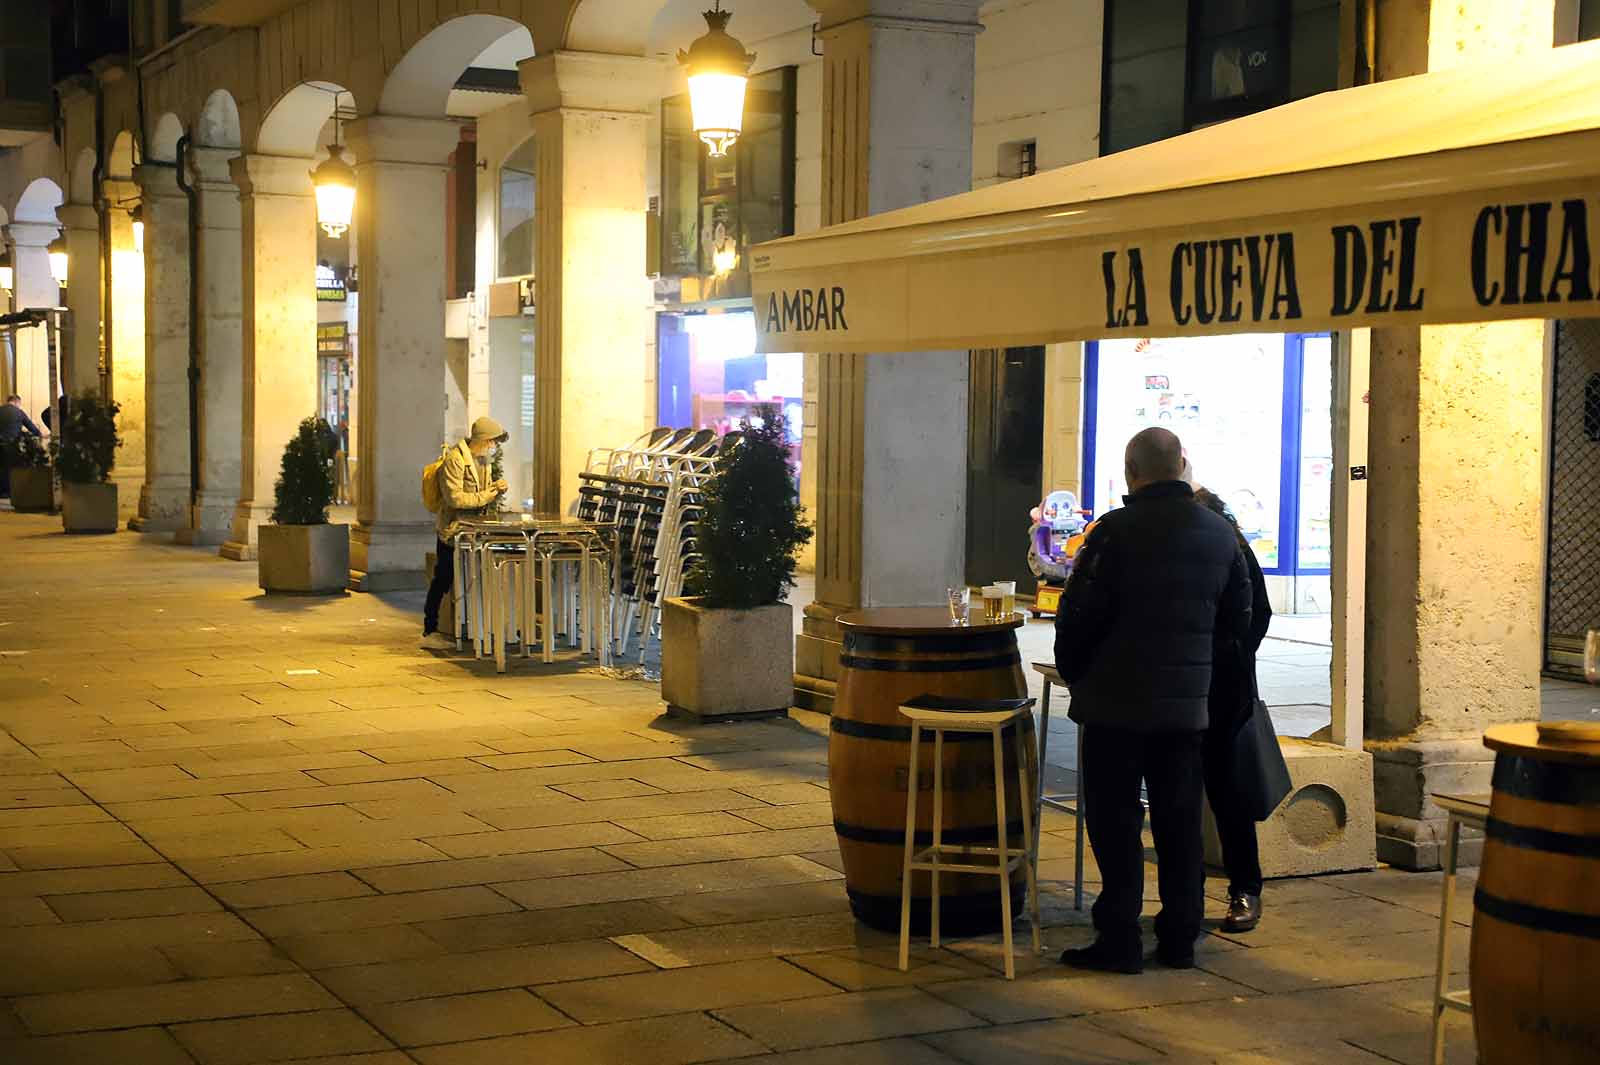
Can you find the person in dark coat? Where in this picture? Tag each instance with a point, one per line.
(1232, 701)
(14, 425)
(1156, 583)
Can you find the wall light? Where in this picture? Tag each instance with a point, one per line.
(8, 276)
(58, 259)
(719, 70)
(136, 213)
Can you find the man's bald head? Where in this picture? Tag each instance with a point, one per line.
(1153, 455)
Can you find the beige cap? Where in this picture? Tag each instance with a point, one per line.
(488, 429)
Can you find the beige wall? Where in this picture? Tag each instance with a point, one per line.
(1038, 79)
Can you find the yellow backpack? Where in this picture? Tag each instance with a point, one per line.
(432, 490)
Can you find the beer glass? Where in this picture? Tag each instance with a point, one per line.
(993, 600)
(960, 600)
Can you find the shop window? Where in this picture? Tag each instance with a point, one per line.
(516, 203)
(710, 375)
(1177, 65)
(1254, 412)
(733, 202)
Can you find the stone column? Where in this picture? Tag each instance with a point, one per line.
(81, 364)
(35, 288)
(891, 428)
(591, 371)
(164, 497)
(1453, 598)
(278, 345)
(400, 209)
(221, 340)
(126, 383)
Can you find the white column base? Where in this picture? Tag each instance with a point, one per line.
(248, 517)
(389, 556)
(163, 506)
(208, 523)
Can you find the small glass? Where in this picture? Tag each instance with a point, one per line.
(993, 602)
(960, 601)
(1008, 595)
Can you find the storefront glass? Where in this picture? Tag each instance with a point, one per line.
(1254, 414)
(711, 377)
(516, 203)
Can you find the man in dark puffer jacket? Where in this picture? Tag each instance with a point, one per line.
(1154, 584)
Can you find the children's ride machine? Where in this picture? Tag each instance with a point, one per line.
(1058, 530)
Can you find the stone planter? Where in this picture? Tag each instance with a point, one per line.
(88, 508)
(32, 490)
(721, 665)
(304, 559)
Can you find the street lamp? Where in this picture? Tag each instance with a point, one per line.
(58, 259)
(136, 213)
(335, 185)
(719, 69)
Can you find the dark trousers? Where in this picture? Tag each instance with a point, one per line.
(444, 578)
(1235, 829)
(1114, 762)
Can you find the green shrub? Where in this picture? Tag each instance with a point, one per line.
(753, 525)
(305, 484)
(86, 448)
(25, 452)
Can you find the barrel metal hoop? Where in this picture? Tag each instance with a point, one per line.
(930, 665)
(1528, 837)
(869, 730)
(1537, 918)
(940, 644)
(962, 836)
(1546, 781)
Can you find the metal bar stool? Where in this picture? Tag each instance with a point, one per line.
(1072, 804)
(1473, 812)
(941, 715)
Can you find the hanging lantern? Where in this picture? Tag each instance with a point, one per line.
(335, 186)
(8, 276)
(137, 214)
(57, 252)
(719, 70)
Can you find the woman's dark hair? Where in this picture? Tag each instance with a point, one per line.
(1213, 502)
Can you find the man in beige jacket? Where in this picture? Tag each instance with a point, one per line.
(465, 489)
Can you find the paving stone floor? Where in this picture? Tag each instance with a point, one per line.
(239, 830)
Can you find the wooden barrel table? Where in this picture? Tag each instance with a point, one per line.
(890, 656)
(1536, 929)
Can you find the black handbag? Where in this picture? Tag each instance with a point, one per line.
(1260, 775)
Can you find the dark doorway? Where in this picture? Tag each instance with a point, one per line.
(1572, 570)
(1005, 462)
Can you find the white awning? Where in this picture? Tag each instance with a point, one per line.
(1466, 195)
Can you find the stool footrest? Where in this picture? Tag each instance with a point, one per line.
(1457, 1000)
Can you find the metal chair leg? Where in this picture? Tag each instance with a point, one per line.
(1030, 837)
(910, 845)
(1002, 854)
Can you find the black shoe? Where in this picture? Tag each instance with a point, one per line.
(1174, 958)
(1244, 912)
(429, 628)
(1102, 959)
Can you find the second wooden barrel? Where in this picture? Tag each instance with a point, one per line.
(891, 656)
(1536, 929)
